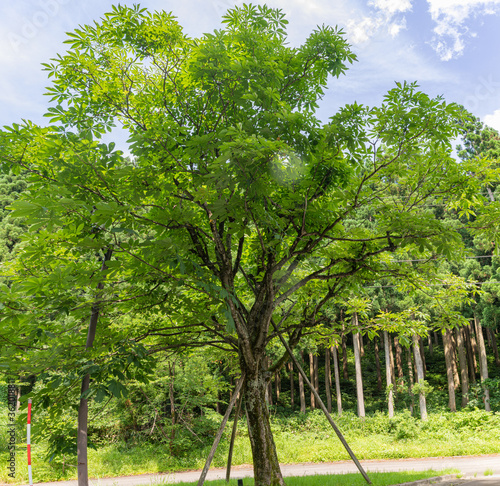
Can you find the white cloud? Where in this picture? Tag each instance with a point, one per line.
(385, 17)
(493, 120)
(450, 17)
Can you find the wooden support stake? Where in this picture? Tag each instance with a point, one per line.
(218, 437)
(233, 437)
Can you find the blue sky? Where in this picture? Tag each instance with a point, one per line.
(451, 47)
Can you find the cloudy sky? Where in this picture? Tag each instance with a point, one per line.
(451, 47)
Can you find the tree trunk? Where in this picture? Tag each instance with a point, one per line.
(483, 363)
(83, 409)
(328, 381)
(345, 374)
(449, 370)
(456, 377)
(265, 459)
(357, 364)
(409, 363)
(172, 405)
(429, 343)
(436, 338)
(361, 346)
(337, 379)
(391, 357)
(495, 347)
(422, 355)
(292, 389)
(377, 364)
(475, 350)
(399, 357)
(470, 354)
(462, 361)
(302, 393)
(312, 379)
(316, 374)
(420, 376)
(388, 376)
(277, 382)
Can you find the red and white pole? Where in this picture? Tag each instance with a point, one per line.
(28, 442)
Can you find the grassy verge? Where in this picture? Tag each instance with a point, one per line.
(378, 479)
(299, 438)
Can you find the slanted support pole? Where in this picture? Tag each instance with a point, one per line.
(322, 405)
(218, 437)
(233, 437)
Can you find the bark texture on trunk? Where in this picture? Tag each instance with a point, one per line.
(377, 364)
(483, 363)
(357, 364)
(462, 360)
(345, 373)
(449, 370)
(399, 357)
(470, 354)
(337, 379)
(302, 393)
(265, 459)
(328, 381)
(388, 376)
(292, 385)
(313, 381)
(495, 347)
(420, 376)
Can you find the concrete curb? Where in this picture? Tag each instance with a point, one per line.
(424, 482)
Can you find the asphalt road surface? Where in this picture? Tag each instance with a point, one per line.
(468, 465)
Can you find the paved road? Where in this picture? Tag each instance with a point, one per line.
(468, 465)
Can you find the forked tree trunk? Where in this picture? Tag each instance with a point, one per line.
(420, 376)
(483, 363)
(265, 459)
(449, 370)
(462, 361)
(328, 381)
(337, 379)
(388, 376)
(83, 409)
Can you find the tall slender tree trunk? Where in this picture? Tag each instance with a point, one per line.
(391, 357)
(316, 374)
(483, 363)
(429, 343)
(399, 357)
(302, 394)
(436, 338)
(83, 409)
(470, 354)
(328, 381)
(462, 361)
(495, 347)
(422, 355)
(377, 364)
(172, 406)
(475, 349)
(277, 382)
(312, 379)
(420, 376)
(361, 345)
(357, 364)
(449, 370)
(337, 379)
(388, 376)
(345, 373)
(292, 385)
(411, 379)
(453, 344)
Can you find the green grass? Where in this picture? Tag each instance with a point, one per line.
(378, 479)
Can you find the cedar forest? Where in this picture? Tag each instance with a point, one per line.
(240, 239)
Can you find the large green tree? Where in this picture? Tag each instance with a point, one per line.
(240, 213)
